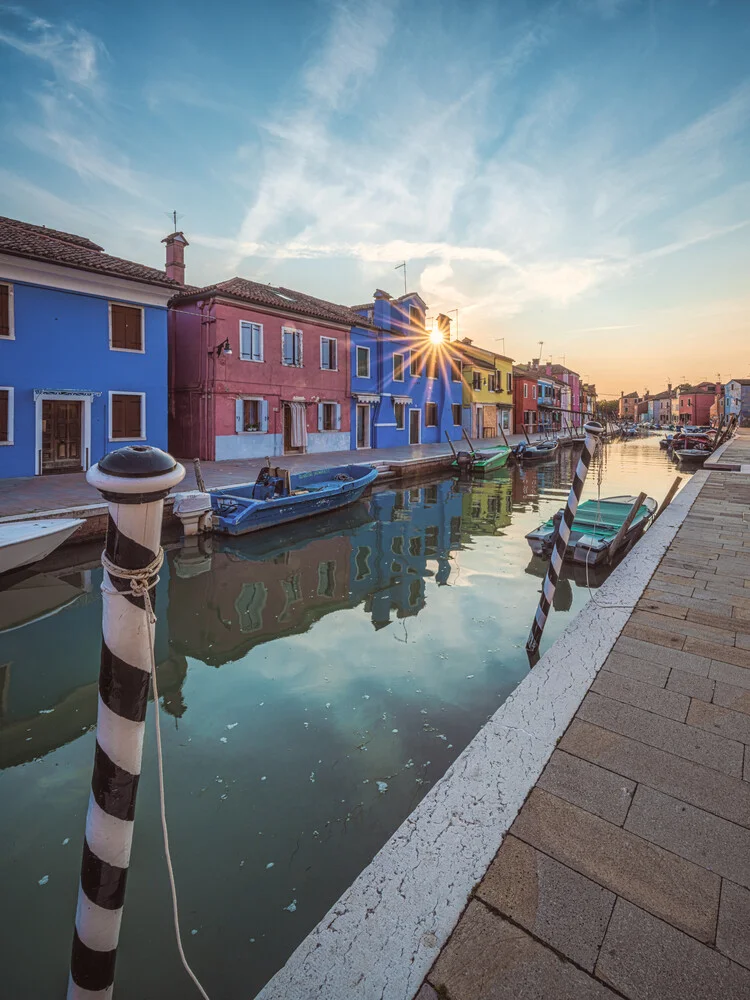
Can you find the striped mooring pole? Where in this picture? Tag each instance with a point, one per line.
(134, 481)
(593, 431)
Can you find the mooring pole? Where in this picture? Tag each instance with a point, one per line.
(593, 432)
(134, 482)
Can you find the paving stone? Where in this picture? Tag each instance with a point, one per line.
(691, 833)
(689, 662)
(701, 786)
(742, 639)
(648, 603)
(666, 734)
(691, 685)
(735, 597)
(680, 601)
(674, 575)
(554, 903)
(427, 993)
(669, 886)
(736, 698)
(721, 618)
(719, 720)
(669, 639)
(730, 674)
(672, 584)
(733, 931)
(718, 651)
(586, 785)
(639, 670)
(695, 630)
(646, 959)
(668, 703)
(488, 958)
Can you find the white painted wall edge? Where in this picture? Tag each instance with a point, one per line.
(380, 939)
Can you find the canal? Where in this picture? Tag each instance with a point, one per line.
(314, 685)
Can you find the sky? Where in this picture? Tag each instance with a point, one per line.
(575, 172)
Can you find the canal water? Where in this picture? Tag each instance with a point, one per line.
(315, 684)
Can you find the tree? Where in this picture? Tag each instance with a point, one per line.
(684, 387)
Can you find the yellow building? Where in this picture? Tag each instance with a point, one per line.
(488, 390)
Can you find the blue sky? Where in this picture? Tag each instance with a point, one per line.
(576, 172)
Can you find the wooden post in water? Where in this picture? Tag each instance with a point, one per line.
(593, 431)
(448, 438)
(617, 541)
(134, 481)
(668, 498)
(199, 475)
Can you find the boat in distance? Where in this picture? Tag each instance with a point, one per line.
(536, 452)
(595, 527)
(26, 542)
(277, 497)
(483, 460)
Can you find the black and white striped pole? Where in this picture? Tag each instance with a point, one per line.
(134, 481)
(593, 432)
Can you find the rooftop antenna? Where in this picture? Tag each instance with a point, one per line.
(456, 312)
(398, 267)
(174, 216)
(541, 346)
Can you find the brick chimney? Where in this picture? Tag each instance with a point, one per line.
(175, 268)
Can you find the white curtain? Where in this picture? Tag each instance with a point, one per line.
(299, 425)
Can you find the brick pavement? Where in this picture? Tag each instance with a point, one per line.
(627, 871)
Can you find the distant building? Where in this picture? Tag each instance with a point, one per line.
(695, 402)
(661, 403)
(737, 399)
(487, 390)
(627, 408)
(525, 389)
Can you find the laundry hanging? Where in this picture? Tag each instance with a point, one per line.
(299, 425)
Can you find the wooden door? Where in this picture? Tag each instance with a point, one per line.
(363, 425)
(415, 424)
(287, 422)
(61, 436)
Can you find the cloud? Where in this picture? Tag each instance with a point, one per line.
(607, 9)
(71, 52)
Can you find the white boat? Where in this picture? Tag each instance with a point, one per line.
(25, 542)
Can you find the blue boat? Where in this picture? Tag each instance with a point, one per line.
(277, 497)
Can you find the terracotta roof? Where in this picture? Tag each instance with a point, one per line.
(21, 239)
(277, 297)
(562, 370)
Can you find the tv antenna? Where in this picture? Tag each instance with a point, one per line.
(174, 216)
(397, 268)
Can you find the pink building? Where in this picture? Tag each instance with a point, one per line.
(257, 370)
(573, 380)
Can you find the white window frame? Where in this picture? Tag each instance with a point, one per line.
(126, 392)
(456, 370)
(331, 340)
(293, 329)
(336, 416)
(254, 399)
(414, 356)
(508, 382)
(526, 390)
(533, 392)
(403, 414)
(10, 390)
(431, 402)
(460, 414)
(358, 348)
(399, 354)
(142, 311)
(11, 312)
(259, 326)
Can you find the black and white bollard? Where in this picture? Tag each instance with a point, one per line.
(593, 432)
(134, 481)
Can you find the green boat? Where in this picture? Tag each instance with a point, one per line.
(481, 462)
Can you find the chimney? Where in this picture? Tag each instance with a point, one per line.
(535, 362)
(444, 325)
(175, 268)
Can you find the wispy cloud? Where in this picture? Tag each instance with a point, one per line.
(73, 53)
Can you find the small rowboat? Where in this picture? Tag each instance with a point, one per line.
(692, 456)
(26, 542)
(486, 460)
(277, 497)
(595, 527)
(536, 452)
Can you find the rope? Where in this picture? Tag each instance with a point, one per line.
(141, 582)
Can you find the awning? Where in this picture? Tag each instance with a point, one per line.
(366, 397)
(90, 393)
(407, 400)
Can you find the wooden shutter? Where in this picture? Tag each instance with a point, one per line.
(4, 311)
(4, 414)
(126, 417)
(264, 416)
(333, 354)
(338, 416)
(127, 321)
(257, 342)
(321, 407)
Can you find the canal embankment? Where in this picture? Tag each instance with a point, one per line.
(593, 839)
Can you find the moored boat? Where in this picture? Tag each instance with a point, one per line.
(26, 542)
(692, 456)
(596, 525)
(536, 452)
(277, 497)
(483, 461)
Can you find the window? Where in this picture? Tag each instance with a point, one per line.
(508, 382)
(432, 365)
(363, 562)
(251, 416)
(533, 392)
(249, 606)
(292, 595)
(415, 365)
(6, 415)
(526, 390)
(431, 415)
(491, 382)
(415, 317)
(415, 546)
(397, 545)
(455, 370)
(329, 356)
(476, 380)
(127, 416)
(363, 362)
(291, 347)
(456, 408)
(326, 579)
(125, 327)
(398, 368)
(6, 311)
(399, 410)
(329, 416)
(251, 341)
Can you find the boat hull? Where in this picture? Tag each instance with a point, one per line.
(590, 539)
(25, 542)
(487, 462)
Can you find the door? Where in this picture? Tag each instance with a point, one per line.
(61, 436)
(415, 426)
(363, 425)
(480, 421)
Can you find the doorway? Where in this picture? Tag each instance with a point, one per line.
(415, 426)
(62, 425)
(363, 425)
(294, 437)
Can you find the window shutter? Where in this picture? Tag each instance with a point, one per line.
(133, 418)
(298, 347)
(323, 353)
(333, 351)
(245, 347)
(287, 348)
(320, 416)
(264, 416)
(4, 311)
(4, 415)
(338, 416)
(118, 327)
(257, 342)
(239, 411)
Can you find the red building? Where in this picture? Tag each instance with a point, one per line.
(525, 391)
(696, 401)
(257, 370)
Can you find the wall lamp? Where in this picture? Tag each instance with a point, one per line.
(223, 348)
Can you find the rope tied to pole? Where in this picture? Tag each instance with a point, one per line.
(141, 582)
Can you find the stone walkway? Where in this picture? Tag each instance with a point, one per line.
(627, 871)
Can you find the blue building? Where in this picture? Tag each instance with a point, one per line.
(405, 380)
(83, 349)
